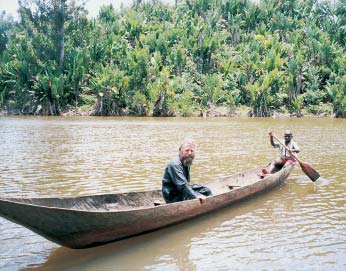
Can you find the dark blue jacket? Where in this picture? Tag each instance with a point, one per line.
(175, 182)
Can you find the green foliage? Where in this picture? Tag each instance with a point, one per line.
(109, 86)
(155, 59)
(297, 106)
(182, 105)
(338, 94)
(323, 109)
(139, 104)
(6, 23)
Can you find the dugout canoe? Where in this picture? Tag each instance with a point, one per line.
(87, 221)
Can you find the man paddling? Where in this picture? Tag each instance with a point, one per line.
(286, 156)
(176, 178)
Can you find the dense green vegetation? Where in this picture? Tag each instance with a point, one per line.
(161, 60)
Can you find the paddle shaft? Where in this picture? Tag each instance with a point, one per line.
(290, 151)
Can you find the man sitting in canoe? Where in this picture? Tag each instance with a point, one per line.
(176, 178)
(286, 156)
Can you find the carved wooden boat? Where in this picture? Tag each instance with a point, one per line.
(86, 221)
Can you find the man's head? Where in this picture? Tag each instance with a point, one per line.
(288, 136)
(187, 152)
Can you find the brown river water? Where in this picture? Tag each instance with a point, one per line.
(300, 225)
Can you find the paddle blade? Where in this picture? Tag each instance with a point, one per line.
(309, 171)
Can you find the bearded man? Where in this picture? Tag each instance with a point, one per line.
(176, 178)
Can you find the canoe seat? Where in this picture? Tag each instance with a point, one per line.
(158, 202)
(231, 186)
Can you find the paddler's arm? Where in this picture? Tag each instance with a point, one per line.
(272, 140)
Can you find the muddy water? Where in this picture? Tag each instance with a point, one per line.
(297, 226)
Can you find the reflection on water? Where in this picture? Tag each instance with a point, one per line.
(298, 226)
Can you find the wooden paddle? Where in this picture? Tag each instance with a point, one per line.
(308, 170)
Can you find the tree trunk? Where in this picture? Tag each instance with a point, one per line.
(299, 80)
(62, 32)
(159, 109)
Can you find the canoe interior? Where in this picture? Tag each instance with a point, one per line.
(135, 200)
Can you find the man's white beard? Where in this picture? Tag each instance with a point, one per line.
(187, 161)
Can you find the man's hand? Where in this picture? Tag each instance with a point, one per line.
(201, 198)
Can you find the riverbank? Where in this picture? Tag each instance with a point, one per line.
(213, 112)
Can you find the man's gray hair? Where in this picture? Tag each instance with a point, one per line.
(186, 143)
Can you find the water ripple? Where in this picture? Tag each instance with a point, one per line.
(299, 226)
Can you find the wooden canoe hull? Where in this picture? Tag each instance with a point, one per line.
(81, 223)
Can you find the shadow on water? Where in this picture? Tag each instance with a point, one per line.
(169, 247)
